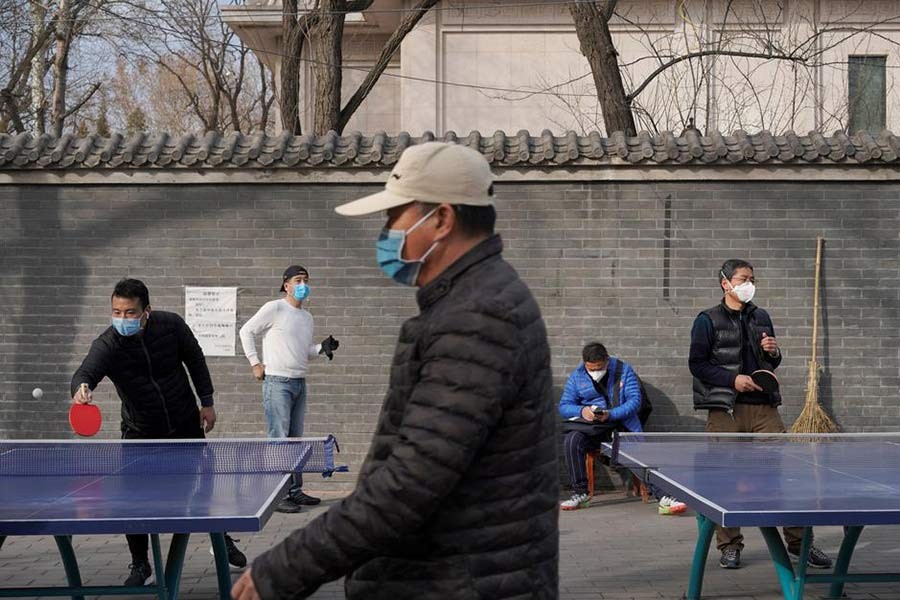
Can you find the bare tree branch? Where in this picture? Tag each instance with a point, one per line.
(410, 20)
(693, 55)
(87, 96)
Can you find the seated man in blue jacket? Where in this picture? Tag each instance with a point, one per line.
(591, 394)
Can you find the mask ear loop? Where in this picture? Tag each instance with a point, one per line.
(722, 272)
(406, 234)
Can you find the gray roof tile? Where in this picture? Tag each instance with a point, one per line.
(259, 151)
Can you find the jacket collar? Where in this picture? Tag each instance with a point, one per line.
(747, 309)
(610, 368)
(442, 284)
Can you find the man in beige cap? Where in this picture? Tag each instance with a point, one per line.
(457, 497)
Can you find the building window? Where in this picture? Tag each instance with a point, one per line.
(867, 93)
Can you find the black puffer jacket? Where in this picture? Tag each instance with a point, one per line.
(458, 495)
(148, 372)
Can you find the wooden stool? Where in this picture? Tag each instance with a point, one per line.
(637, 486)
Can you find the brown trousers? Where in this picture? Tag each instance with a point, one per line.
(748, 418)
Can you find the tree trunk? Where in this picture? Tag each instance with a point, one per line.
(38, 71)
(61, 67)
(293, 34)
(265, 101)
(326, 36)
(9, 106)
(592, 27)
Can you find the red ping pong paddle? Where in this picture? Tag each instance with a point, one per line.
(85, 419)
(766, 380)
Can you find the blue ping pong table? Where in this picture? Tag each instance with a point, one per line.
(768, 481)
(178, 487)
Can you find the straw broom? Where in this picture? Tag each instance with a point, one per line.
(813, 418)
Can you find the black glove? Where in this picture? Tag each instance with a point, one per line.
(329, 345)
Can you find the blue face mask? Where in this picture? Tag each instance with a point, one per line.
(389, 254)
(126, 327)
(301, 292)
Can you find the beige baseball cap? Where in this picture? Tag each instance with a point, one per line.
(433, 172)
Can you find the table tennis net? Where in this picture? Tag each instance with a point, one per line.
(167, 457)
(754, 451)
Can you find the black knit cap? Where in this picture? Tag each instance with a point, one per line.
(293, 271)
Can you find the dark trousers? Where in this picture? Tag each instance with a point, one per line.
(139, 544)
(576, 445)
(749, 418)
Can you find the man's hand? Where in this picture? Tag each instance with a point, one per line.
(769, 344)
(244, 588)
(587, 413)
(602, 416)
(83, 395)
(259, 371)
(743, 383)
(207, 418)
(329, 345)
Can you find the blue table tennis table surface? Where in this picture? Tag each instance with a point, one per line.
(65, 488)
(771, 480)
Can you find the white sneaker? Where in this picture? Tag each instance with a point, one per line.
(575, 502)
(671, 506)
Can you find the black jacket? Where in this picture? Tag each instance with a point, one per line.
(458, 495)
(149, 373)
(725, 343)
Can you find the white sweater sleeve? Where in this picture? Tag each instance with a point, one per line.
(258, 323)
(313, 348)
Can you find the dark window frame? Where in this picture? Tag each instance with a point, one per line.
(866, 113)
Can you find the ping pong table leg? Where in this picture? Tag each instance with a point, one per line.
(223, 570)
(70, 563)
(851, 536)
(175, 563)
(706, 528)
(792, 583)
(161, 583)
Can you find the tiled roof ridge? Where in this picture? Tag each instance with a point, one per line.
(234, 150)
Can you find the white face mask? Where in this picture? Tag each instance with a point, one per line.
(597, 375)
(744, 292)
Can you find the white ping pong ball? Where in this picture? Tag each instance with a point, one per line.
(37, 393)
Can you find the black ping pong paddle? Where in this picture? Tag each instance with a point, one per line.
(766, 380)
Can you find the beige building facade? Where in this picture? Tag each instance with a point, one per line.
(489, 65)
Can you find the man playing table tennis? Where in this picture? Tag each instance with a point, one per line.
(728, 343)
(145, 358)
(286, 330)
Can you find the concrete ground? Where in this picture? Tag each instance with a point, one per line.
(618, 548)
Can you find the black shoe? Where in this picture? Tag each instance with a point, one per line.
(236, 558)
(141, 573)
(731, 558)
(288, 505)
(304, 500)
(816, 559)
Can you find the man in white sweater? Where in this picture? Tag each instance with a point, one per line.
(287, 346)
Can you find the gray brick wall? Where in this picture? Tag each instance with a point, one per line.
(629, 264)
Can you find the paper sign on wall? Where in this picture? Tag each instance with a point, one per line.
(211, 313)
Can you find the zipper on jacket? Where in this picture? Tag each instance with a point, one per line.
(162, 397)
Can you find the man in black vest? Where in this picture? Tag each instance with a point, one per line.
(728, 343)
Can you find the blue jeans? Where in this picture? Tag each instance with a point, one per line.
(284, 402)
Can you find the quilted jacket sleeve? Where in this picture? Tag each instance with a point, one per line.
(93, 368)
(569, 405)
